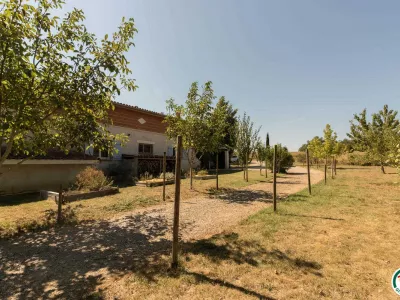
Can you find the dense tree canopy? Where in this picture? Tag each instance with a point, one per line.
(378, 137)
(57, 80)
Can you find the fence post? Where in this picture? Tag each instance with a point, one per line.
(216, 171)
(308, 171)
(164, 167)
(60, 200)
(335, 164)
(175, 242)
(274, 184)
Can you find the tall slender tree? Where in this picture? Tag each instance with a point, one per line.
(247, 140)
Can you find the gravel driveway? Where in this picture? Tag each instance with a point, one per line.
(70, 262)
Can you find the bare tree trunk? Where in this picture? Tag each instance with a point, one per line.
(325, 166)
(260, 169)
(382, 168)
(266, 169)
(191, 178)
(308, 171)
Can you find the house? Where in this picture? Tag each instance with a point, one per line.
(143, 153)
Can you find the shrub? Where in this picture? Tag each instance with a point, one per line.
(202, 172)
(121, 174)
(92, 179)
(168, 176)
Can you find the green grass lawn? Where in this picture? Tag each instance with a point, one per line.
(340, 243)
(26, 212)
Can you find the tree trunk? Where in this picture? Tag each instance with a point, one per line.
(191, 178)
(260, 169)
(382, 168)
(266, 169)
(247, 173)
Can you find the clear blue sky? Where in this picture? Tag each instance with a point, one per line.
(293, 66)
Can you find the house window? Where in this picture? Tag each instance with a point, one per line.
(104, 153)
(145, 149)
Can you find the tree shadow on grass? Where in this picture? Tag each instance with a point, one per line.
(228, 247)
(215, 281)
(240, 196)
(312, 217)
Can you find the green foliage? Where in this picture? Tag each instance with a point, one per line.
(316, 148)
(330, 141)
(303, 147)
(57, 80)
(284, 159)
(92, 179)
(192, 121)
(247, 139)
(228, 115)
(378, 137)
(394, 158)
(261, 152)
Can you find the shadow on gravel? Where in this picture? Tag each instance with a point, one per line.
(58, 263)
(240, 196)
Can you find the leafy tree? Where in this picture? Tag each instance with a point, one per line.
(284, 159)
(394, 158)
(330, 141)
(57, 80)
(220, 128)
(229, 124)
(303, 147)
(193, 122)
(376, 137)
(316, 149)
(261, 152)
(247, 140)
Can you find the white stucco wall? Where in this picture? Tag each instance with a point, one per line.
(160, 142)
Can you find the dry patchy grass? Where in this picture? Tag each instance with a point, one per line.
(23, 213)
(339, 243)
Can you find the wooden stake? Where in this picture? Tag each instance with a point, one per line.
(274, 184)
(216, 172)
(308, 171)
(266, 169)
(60, 199)
(335, 164)
(175, 238)
(164, 168)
